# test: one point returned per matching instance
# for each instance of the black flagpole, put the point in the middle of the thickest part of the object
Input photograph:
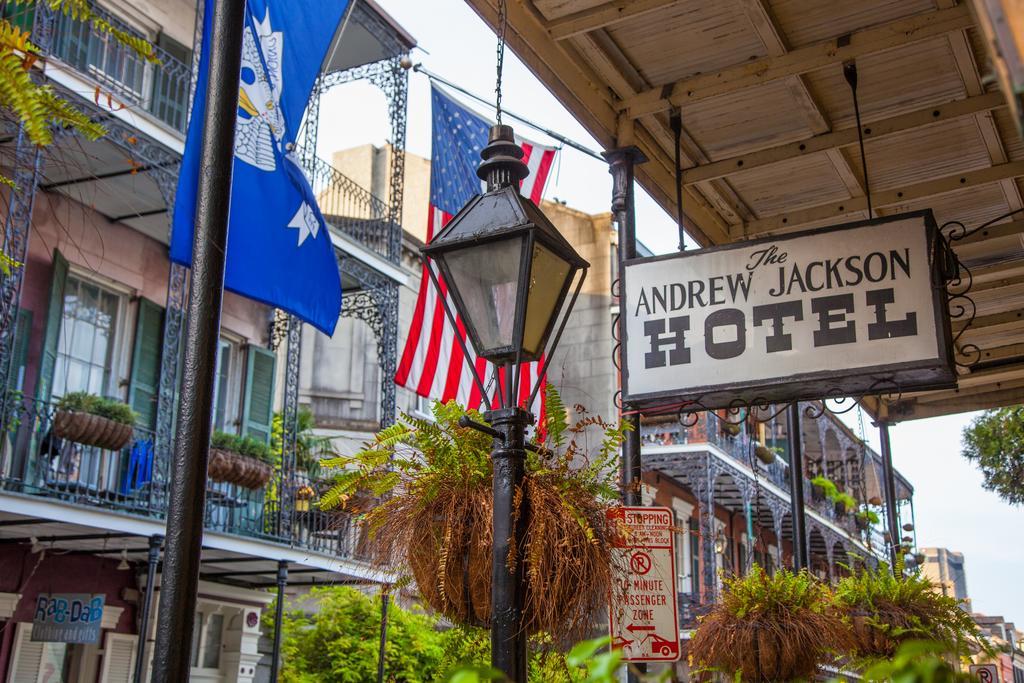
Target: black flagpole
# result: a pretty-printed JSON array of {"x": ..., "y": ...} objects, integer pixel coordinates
[{"x": 187, "y": 498}]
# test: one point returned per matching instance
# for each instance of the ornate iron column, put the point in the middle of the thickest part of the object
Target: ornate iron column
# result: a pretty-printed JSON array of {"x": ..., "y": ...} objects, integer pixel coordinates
[
  {"x": 290, "y": 424},
  {"x": 796, "y": 488},
  {"x": 892, "y": 522},
  {"x": 17, "y": 226},
  {"x": 621, "y": 163}
]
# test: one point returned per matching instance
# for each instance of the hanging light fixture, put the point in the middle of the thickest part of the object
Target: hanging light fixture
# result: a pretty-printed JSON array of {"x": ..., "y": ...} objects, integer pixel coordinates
[
  {"x": 507, "y": 267},
  {"x": 123, "y": 565}
]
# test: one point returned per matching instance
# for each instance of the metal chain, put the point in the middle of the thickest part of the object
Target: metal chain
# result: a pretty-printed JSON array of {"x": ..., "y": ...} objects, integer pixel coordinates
[{"x": 503, "y": 25}]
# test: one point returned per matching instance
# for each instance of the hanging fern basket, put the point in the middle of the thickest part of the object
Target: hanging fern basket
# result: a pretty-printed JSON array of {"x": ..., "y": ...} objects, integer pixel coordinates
[{"x": 436, "y": 524}]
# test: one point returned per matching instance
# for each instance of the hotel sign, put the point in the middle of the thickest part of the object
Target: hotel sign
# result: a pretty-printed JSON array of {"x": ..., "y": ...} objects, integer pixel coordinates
[{"x": 854, "y": 309}]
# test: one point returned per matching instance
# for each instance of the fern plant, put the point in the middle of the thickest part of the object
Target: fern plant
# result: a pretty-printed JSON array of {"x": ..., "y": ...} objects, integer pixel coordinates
[
  {"x": 436, "y": 524},
  {"x": 885, "y": 609}
]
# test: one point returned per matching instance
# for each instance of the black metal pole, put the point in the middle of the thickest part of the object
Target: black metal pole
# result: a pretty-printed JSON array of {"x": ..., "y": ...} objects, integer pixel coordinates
[
  {"x": 385, "y": 598},
  {"x": 187, "y": 498},
  {"x": 508, "y": 639},
  {"x": 796, "y": 494},
  {"x": 892, "y": 522},
  {"x": 282, "y": 582},
  {"x": 155, "y": 541},
  {"x": 621, "y": 164}
]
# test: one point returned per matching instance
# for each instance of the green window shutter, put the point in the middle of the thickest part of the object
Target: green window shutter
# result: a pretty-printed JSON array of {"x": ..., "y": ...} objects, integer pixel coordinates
[
  {"x": 145, "y": 378},
  {"x": 16, "y": 380},
  {"x": 54, "y": 317},
  {"x": 258, "y": 410}
]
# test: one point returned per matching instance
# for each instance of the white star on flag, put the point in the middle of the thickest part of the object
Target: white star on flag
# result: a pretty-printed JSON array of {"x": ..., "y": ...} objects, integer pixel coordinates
[{"x": 305, "y": 222}]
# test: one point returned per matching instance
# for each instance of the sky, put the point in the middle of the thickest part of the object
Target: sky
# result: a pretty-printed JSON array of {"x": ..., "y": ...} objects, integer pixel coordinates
[{"x": 952, "y": 509}]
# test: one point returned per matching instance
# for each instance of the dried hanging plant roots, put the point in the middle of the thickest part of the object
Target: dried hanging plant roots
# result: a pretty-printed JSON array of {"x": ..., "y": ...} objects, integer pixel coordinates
[{"x": 446, "y": 544}]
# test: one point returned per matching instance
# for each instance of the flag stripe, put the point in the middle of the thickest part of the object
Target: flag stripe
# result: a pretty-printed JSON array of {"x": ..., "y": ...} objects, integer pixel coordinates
[{"x": 433, "y": 363}]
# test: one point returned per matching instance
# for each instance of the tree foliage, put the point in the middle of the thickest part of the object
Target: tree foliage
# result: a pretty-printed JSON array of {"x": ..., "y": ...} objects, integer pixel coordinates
[
  {"x": 338, "y": 640},
  {"x": 995, "y": 441},
  {"x": 339, "y": 643}
]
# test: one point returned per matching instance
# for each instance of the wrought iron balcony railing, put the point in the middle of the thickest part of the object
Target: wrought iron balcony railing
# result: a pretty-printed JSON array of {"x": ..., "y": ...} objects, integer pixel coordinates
[
  {"x": 124, "y": 80},
  {"x": 34, "y": 461},
  {"x": 740, "y": 447},
  {"x": 353, "y": 210}
]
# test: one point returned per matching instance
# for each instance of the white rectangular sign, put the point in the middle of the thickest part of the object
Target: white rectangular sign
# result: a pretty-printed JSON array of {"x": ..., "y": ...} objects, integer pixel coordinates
[
  {"x": 643, "y": 613},
  {"x": 852, "y": 309},
  {"x": 986, "y": 673}
]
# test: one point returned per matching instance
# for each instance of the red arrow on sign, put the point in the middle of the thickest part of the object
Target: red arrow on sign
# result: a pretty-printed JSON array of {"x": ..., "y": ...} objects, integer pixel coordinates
[{"x": 634, "y": 628}]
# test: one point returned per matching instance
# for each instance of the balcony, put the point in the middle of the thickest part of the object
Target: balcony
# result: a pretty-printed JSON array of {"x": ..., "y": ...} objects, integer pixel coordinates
[
  {"x": 134, "y": 481},
  {"x": 739, "y": 448}
]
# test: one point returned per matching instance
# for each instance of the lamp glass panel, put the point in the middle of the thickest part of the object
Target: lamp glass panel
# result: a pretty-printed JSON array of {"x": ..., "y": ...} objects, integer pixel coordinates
[
  {"x": 486, "y": 277},
  {"x": 548, "y": 274}
]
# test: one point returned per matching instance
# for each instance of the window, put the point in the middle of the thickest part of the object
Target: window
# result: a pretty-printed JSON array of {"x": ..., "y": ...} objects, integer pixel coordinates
[
  {"x": 169, "y": 102},
  {"x": 225, "y": 389},
  {"x": 87, "y": 341},
  {"x": 422, "y": 407},
  {"x": 207, "y": 635}
]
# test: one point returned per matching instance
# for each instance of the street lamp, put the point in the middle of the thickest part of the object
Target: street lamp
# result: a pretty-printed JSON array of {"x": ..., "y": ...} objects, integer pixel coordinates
[{"x": 508, "y": 272}]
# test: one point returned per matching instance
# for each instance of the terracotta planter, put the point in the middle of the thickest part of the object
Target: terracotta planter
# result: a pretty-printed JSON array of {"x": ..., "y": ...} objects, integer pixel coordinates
[
  {"x": 764, "y": 454},
  {"x": 235, "y": 468},
  {"x": 91, "y": 430},
  {"x": 874, "y": 500}
]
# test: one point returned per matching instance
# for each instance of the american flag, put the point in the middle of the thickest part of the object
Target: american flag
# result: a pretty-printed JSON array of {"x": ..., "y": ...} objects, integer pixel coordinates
[{"x": 433, "y": 363}]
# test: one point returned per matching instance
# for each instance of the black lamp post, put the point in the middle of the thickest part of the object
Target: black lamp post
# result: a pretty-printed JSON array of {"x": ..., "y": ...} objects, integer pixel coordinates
[{"x": 508, "y": 271}]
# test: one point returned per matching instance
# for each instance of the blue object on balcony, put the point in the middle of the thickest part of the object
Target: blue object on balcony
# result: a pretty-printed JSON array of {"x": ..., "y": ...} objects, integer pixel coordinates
[
  {"x": 279, "y": 250},
  {"x": 140, "y": 467}
]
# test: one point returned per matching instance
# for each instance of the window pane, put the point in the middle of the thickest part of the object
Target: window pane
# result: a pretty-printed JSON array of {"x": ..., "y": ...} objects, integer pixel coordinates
[
  {"x": 211, "y": 644},
  {"x": 197, "y": 628},
  {"x": 85, "y": 348}
]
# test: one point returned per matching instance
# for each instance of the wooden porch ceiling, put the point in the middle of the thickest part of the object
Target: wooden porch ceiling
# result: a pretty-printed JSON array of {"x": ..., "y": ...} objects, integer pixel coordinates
[{"x": 769, "y": 139}]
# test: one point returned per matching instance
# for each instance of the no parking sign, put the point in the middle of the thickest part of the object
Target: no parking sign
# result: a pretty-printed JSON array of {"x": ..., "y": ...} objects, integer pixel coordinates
[{"x": 643, "y": 612}]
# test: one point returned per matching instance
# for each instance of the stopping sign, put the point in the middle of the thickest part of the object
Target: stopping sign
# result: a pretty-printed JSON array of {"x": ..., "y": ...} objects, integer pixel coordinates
[{"x": 643, "y": 611}]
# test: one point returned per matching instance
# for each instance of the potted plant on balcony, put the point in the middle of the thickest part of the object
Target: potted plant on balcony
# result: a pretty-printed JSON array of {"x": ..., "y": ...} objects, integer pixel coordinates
[
  {"x": 731, "y": 428},
  {"x": 844, "y": 503},
  {"x": 866, "y": 518},
  {"x": 823, "y": 488},
  {"x": 241, "y": 460},
  {"x": 768, "y": 628},
  {"x": 436, "y": 525},
  {"x": 883, "y": 609},
  {"x": 766, "y": 454},
  {"x": 93, "y": 420}
]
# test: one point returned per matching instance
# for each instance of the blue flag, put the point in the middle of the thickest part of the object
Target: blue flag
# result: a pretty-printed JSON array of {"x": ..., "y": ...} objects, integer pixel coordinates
[{"x": 279, "y": 250}]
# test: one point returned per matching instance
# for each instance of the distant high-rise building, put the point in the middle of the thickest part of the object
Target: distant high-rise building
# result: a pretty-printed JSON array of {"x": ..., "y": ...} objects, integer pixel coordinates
[{"x": 946, "y": 568}]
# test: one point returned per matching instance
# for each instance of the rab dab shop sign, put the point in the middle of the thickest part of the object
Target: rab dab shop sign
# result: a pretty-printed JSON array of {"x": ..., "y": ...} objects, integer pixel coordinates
[{"x": 848, "y": 310}]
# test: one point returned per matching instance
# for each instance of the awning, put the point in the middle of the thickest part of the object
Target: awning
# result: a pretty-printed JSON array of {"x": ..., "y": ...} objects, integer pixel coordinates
[{"x": 769, "y": 142}]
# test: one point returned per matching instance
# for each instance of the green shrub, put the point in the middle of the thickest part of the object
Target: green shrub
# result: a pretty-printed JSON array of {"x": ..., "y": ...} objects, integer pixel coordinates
[
  {"x": 108, "y": 408},
  {"x": 243, "y": 445},
  {"x": 869, "y": 516}
]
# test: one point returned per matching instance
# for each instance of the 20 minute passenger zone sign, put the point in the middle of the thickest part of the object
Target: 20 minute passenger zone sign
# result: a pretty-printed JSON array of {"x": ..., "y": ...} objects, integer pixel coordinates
[{"x": 643, "y": 611}]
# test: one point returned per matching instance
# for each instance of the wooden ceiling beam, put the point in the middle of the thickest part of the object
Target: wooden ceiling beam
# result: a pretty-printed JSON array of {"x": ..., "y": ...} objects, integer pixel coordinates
[
  {"x": 602, "y": 16},
  {"x": 844, "y": 208},
  {"x": 951, "y": 404},
  {"x": 707, "y": 208},
  {"x": 818, "y": 121},
  {"x": 1011, "y": 229},
  {"x": 801, "y": 60},
  {"x": 843, "y": 138},
  {"x": 982, "y": 322},
  {"x": 963, "y": 57}
]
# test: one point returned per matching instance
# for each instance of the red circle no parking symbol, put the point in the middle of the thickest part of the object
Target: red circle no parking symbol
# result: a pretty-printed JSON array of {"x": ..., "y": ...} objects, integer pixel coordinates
[{"x": 640, "y": 563}]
